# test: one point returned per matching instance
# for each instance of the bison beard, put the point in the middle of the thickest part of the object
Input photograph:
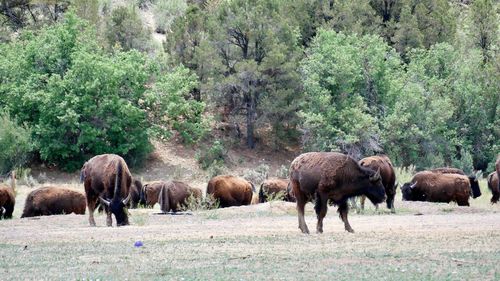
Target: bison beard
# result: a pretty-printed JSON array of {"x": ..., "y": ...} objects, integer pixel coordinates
[{"x": 334, "y": 176}]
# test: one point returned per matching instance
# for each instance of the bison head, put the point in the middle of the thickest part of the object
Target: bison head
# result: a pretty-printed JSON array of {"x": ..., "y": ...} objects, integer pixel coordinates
[
  {"x": 118, "y": 206},
  {"x": 374, "y": 190},
  {"x": 408, "y": 191},
  {"x": 474, "y": 185}
]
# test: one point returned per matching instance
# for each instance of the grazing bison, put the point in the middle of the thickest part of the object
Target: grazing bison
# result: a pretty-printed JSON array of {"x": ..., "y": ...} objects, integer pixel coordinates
[
  {"x": 274, "y": 188},
  {"x": 384, "y": 164},
  {"x": 8, "y": 197},
  {"x": 494, "y": 186},
  {"x": 230, "y": 190},
  {"x": 136, "y": 198},
  {"x": 436, "y": 187},
  {"x": 106, "y": 177},
  {"x": 175, "y": 195},
  {"x": 150, "y": 192},
  {"x": 50, "y": 200},
  {"x": 334, "y": 176},
  {"x": 474, "y": 183}
]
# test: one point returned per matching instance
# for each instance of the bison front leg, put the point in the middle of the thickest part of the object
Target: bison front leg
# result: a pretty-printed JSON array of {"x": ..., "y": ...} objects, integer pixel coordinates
[
  {"x": 91, "y": 207},
  {"x": 109, "y": 220},
  {"x": 343, "y": 209},
  {"x": 301, "y": 202},
  {"x": 321, "y": 208}
]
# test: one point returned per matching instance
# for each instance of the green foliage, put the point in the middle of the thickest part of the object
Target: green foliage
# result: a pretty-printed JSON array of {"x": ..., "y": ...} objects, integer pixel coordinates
[
  {"x": 213, "y": 156},
  {"x": 257, "y": 175},
  {"x": 79, "y": 100},
  {"x": 484, "y": 17},
  {"x": 341, "y": 79},
  {"x": 166, "y": 11},
  {"x": 171, "y": 107},
  {"x": 15, "y": 144},
  {"x": 125, "y": 29}
]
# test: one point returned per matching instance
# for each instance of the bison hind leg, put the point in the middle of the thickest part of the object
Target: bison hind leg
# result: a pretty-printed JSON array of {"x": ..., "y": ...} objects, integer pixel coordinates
[{"x": 321, "y": 207}]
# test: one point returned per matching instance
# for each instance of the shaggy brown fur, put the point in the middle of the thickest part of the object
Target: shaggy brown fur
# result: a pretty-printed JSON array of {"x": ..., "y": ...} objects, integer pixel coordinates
[
  {"x": 135, "y": 194},
  {"x": 275, "y": 188},
  {"x": 474, "y": 184},
  {"x": 494, "y": 186},
  {"x": 151, "y": 191},
  {"x": 331, "y": 176},
  {"x": 51, "y": 200},
  {"x": 436, "y": 187},
  {"x": 383, "y": 164},
  {"x": 174, "y": 196},
  {"x": 8, "y": 197},
  {"x": 230, "y": 190},
  {"x": 498, "y": 170},
  {"x": 106, "y": 177}
]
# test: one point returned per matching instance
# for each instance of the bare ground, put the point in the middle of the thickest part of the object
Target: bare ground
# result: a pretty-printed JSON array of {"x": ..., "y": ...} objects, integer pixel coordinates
[{"x": 423, "y": 241}]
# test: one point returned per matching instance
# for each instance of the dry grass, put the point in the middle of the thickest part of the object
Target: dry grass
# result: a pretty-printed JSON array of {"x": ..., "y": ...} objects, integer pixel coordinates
[{"x": 258, "y": 242}]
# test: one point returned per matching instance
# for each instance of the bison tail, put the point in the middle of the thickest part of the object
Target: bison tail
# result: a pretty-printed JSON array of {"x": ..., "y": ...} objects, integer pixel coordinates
[
  {"x": 163, "y": 199},
  {"x": 261, "y": 194}
]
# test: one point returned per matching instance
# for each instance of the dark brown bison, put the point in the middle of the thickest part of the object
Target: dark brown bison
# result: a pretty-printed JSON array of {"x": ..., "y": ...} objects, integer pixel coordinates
[
  {"x": 494, "y": 186},
  {"x": 230, "y": 191},
  {"x": 384, "y": 165},
  {"x": 436, "y": 187},
  {"x": 334, "y": 176},
  {"x": 50, "y": 200},
  {"x": 175, "y": 195},
  {"x": 107, "y": 178},
  {"x": 136, "y": 198},
  {"x": 474, "y": 183},
  {"x": 150, "y": 192},
  {"x": 8, "y": 197},
  {"x": 275, "y": 188}
]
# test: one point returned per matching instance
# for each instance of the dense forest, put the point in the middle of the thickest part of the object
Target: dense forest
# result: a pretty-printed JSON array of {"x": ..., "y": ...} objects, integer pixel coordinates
[{"x": 418, "y": 80}]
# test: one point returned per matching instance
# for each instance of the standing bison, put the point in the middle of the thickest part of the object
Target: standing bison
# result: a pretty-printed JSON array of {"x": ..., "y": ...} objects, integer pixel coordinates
[
  {"x": 175, "y": 195},
  {"x": 50, "y": 200},
  {"x": 106, "y": 177},
  {"x": 494, "y": 186},
  {"x": 436, "y": 187},
  {"x": 383, "y": 164},
  {"x": 274, "y": 188},
  {"x": 474, "y": 183},
  {"x": 334, "y": 176},
  {"x": 230, "y": 191},
  {"x": 8, "y": 197}
]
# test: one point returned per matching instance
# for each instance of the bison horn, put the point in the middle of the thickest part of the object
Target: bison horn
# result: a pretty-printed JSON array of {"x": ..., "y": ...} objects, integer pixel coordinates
[
  {"x": 376, "y": 176},
  {"x": 413, "y": 185},
  {"x": 125, "y": 201},
  {"x": 104, "y": 201},
  {"x": 2, "y": 210}
]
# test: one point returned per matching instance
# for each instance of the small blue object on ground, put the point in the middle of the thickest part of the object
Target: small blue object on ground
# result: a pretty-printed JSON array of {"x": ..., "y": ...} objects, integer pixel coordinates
[{"x": 138, "y": 244}]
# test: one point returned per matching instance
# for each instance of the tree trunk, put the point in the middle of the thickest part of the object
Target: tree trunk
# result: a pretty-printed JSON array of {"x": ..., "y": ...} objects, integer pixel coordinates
[{"x": 250, "y": 121}]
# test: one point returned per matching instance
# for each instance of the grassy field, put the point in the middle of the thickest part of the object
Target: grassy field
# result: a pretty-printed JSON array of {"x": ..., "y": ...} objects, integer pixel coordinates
[{"x": 423, "y": 241}]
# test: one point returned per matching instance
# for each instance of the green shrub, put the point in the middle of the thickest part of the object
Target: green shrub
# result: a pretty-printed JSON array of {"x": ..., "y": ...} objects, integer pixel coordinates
[
  {"x": 166, "y": 11},
  {"x": 15, "y": 144},
  {"x": 257, "y": 175},
  {"x": 125, "y": 28}
]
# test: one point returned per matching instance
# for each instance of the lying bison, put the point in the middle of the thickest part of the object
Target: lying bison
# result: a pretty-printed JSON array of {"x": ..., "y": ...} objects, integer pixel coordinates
[
  {"x": 384, "y": 165},
  {"x": 50, "y": 200},
  {"x": 230, "y": 191},
  {"x": 175, "y": 196},
  {"x": 494, "y": 186},
  {"x": 436, "y": 187},
  {"x": 107, "y": 178},
  {"x": 334, "y": 176},
  {"x": 474, "y": 183},
  {"x": 275, "y": 188},
  {"x": 150, "y": 193},
  {"x": 8, "y": 197}
]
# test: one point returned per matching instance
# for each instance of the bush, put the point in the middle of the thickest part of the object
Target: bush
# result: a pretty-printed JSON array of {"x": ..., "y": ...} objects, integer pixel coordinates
[
  {"x": 166, "y": 11},
  {"x": 126, "y": 29},
  {"x": 257, "y": 175},
  {"x": 15, "y": 144},
  {"x": 215, "y": 156}
]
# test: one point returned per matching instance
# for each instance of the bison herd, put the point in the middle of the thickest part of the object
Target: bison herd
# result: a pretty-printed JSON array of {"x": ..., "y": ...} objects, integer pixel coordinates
[{"x": 322, "y": 177}]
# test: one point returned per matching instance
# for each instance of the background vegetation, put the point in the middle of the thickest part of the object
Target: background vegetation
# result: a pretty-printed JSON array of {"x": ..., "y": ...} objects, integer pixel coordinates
[{"x": 418, "y": 80}]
